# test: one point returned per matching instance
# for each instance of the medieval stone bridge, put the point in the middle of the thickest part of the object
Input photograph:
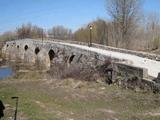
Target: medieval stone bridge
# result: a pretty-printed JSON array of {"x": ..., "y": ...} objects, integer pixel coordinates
[{"x": 45, "y": 52}]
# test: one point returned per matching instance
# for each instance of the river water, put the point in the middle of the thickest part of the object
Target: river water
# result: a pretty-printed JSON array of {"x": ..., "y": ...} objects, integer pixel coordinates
[
  {"x": 11, "y": 68},
  {"x": 5, "y": 72}
]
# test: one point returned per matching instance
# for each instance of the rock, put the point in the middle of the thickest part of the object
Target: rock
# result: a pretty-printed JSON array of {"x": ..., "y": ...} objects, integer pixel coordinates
[
  {"x": 99, "y": 81},
  {"x": 137, "y": 89},
  {"x": 70, "y": 119},
  {"x": 78, "y": 85},
  {"x": 102, "y": 88}
]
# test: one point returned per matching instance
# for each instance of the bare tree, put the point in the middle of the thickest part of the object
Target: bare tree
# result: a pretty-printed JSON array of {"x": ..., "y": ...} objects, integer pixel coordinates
[
  {"x": 101, "y": 31},
  {"x": 124, "y": 14},
  {"x": 30, "y": 31},
  {"x": 153, "y": 30},
  {"x": 60, "y": 32},
  {"x": 6, "y": 36}
]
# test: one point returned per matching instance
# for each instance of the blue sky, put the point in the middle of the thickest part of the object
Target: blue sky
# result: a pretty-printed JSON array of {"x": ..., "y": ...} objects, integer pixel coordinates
[{"x": 47, "y": 13}]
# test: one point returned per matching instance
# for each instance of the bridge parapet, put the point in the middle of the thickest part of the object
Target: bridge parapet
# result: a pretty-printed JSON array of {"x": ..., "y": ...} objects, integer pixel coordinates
[{"x": 137, "y": 53}]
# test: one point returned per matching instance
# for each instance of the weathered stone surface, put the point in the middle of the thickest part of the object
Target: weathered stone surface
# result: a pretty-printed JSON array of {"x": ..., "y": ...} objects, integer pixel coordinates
[
  {"x": 25, "y": 50},
  {"x": 28, "y": 56},
  {"x": 138, "y": 53},
  {"x": 129, "y": 71},
  {"x": 43, "y": 59},
  {"x": 157, "y": 80}
]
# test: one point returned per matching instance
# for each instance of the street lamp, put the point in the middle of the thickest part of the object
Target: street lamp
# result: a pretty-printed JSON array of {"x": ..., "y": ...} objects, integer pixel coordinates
[
  {"x": 90, "y": 40},
  {"x": 42, "y": 33},
  {"x": 15, "y": 114}
]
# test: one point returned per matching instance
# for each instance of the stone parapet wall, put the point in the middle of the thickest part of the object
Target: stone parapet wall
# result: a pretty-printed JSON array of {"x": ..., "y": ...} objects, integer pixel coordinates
[
  {"x": 130, "y": 77},
  {"x": 137, "y": 53},
  {"x": 128, "y": 71}
]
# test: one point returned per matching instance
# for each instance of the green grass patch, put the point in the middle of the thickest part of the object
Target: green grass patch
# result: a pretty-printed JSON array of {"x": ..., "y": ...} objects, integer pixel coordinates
[{"x": 41, "y": 101}]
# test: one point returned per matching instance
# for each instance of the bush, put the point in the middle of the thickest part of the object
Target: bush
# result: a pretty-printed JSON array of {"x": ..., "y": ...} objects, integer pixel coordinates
[
  {"x": 156, "y": 43},
  {"x": 63, "y": 71},
  {"x": 77, "y": 71}
]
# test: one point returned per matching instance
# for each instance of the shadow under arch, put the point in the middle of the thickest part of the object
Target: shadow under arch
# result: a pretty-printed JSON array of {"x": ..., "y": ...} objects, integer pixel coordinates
[
  {"x": 26, "y": 47},
  {"x": 51, "y": 54},
  {"x": 37, "y": 50},
  {"x": 71, "y": 59}
]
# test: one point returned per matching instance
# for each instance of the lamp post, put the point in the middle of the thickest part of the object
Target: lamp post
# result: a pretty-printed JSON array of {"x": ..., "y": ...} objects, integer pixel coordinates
[
  {"x": 42, "y": 35},
  {"x": 90, "y": 40},
  {"x": 15, "y": 114}
]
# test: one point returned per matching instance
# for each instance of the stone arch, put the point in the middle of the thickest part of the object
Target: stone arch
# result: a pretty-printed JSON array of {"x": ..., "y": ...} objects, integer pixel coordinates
[
  {"x": 51, "y": 54},
  {"x": 71, "y": 59},
  {"x": 18, "y": 46},
  {"x": 37, "y": 50},
  {"x": 26, "y": 47}
]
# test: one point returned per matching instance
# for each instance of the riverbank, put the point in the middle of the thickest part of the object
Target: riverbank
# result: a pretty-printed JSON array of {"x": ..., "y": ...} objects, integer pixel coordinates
[{"x": 42, "y": 98}]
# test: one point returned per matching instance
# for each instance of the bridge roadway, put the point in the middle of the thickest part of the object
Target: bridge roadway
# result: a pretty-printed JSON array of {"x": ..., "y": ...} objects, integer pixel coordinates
[{"x": 152, "y": 66}]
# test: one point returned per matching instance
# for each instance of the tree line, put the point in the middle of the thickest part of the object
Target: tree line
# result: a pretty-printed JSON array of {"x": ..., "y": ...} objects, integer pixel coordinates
[
  {"x": 32, "y": 31},
  {"x": 128, "y": 27}
]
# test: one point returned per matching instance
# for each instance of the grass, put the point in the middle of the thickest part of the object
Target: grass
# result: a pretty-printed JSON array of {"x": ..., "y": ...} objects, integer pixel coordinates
[{"x": 42, "y": 99}]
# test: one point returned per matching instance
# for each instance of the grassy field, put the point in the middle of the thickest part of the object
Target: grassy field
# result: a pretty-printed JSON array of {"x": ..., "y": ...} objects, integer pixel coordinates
[{"x": 42, "y": 99}]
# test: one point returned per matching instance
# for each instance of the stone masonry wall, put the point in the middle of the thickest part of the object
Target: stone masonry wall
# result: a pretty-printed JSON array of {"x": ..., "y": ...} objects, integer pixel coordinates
[{"x": 137, "y": 53}]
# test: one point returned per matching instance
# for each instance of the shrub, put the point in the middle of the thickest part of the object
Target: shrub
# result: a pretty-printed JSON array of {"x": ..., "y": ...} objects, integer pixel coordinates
[
  {"x": 63, "y": 71},
  {"x": 78, "y": 71},
  {"x": 156, "y": 43}
]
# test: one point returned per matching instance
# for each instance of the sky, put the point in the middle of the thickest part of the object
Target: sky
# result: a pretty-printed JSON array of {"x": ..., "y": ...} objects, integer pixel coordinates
[{"x": 72, "y": 14}]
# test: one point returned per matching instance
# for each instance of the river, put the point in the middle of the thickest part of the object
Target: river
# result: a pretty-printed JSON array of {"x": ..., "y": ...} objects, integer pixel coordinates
[{"x": 5, "y": 72}]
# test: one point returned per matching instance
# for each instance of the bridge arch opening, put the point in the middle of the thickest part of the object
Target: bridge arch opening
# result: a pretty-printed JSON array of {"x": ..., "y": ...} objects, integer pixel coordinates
[
  {"x": 18, "y": 46},
  {"x": 7, "y": 45},
  {"x": 71, "y": 59},
  {"x": 37, "y": 50},
  {"x": 26, "y": 47},
  {"x": 51, "y": 54}
]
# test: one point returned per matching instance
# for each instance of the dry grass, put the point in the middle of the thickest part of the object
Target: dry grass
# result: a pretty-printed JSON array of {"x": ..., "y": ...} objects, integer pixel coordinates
[
  {"x": 70, "y": 99},
  {"x": 75, "y": 71}
]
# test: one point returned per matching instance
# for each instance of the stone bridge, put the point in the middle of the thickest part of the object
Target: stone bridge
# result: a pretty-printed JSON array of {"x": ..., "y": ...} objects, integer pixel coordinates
[{"x": 142, "y": 64}]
